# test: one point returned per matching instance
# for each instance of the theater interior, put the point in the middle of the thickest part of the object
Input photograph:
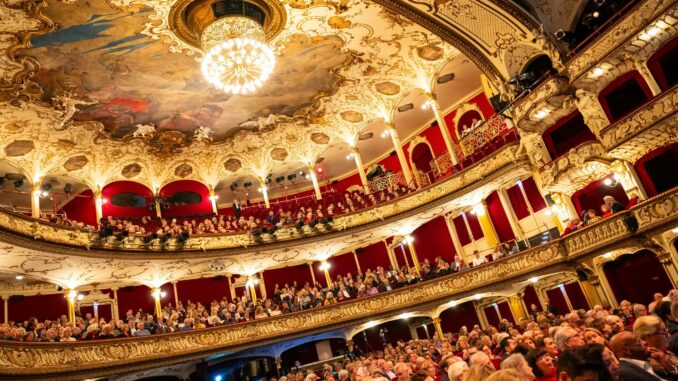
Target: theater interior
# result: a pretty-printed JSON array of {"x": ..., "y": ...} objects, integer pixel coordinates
[{"x": 337, "y": 178}]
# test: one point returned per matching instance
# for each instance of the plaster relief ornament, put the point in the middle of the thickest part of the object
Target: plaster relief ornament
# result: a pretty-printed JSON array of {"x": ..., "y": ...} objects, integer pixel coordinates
[
  {"x": 66, "y": 106},
  {"x": 202, "y": 134},
  {"x": 144, "y": 131},
  {"x": 532, "y": 144}
]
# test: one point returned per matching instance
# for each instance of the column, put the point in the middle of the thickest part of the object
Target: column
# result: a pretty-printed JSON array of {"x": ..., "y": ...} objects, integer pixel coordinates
[
  {"x": 669, "y": 266},
  {"x": 35, "y": 200},
  {"x": 628, "y": 178},
  {"x": 5, "y": 303},
  {"x": 564, "y": 207},
  {"x": 486, "y": 224},
  {"x": 517, "y": 306},
  {"x": 157, "y": 294},
  {"x": 98, "y": 203},
  {"x": 70, "y": 296},
  {"x": 231, "y": 287},
  {"x": 599, "y": 282},
  {"x": 399, "y": 151},
  {"x": 158, "y": 207},
  {"x": 468, "y": 229},
  {"x": 310, "y": 267},
  {"x": 513, "y": 220},
  {"x": 264, "y": 191},
  {"x": 314, "y": 180},
  {"x": 455, "y": 238},
  {"x": 251, "y": 282},
  {"x": 213, "y": 199},
  {"x": 590, "y": 108},
  {"x": 357, "y": 263},
  {"x": 361, "y": 171},
  {"x": 176, "y": 293},
  {"x": 95, "y": 307},
  {"x": 443, "y": 128},
  {"x": 644, "y": 71},
  {"x": 413, "y": 332},
  {"x": 438, "y": 327},
  {"x": 262, "y": 286},
  {"x": 410, "y": 240},
  {"x": 550, "y": 211},
  {"x": 325, "y": 267},
  {"x": 481, "y": 315},
  {"x": 114, "y": 307},
  {"x": 349, "y": 344},
  {"x": 590, "y": 293}
]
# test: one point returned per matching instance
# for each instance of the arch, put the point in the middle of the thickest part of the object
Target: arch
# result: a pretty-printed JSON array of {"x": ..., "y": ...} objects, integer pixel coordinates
[
  {"x": 662, "y": 64},
  {"x": 624, "y": 95},
  {"x": 421, "y": 156},
  {"x": 628, "y": 266},
  {"x": 464, "y": 117},
  {"x": 656, "y": 169},
  {"x": 127, "y": 186},
  {"x": 170, "y": 209},
  {"x": 69, "y": 197}
]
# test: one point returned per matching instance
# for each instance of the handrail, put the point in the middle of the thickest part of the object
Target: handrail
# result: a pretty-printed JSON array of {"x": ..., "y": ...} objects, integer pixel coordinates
[{"x": 19, "y": 358}]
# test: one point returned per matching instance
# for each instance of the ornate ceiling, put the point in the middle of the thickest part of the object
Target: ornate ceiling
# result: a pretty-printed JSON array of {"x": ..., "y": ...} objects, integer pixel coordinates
[{"x": 104, "y": 90}]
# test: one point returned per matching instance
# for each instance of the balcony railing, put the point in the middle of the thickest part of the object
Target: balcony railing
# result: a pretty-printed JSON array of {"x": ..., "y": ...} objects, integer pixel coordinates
[
  {"x": 122, "y": 355},
  {"x": 489, "y": 131},
  {"x": 387, "y": 181}
]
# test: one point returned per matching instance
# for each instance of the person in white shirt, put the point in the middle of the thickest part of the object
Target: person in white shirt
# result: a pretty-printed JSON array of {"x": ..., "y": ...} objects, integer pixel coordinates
[{"x": 478, "y": 259}]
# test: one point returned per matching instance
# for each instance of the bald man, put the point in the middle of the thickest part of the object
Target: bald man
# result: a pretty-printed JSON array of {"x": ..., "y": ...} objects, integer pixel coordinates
[{"x": 634, "y": 359}]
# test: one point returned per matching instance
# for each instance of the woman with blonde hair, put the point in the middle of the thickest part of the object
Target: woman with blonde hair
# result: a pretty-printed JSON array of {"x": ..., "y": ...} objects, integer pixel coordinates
[
  {"x": 518, "y": 363},
  {"x": 506, "y": 375},
  {"x": 479, "y": 372}
]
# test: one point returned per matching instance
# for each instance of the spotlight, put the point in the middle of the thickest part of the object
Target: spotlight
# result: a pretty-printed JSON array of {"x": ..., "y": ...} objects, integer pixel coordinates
[
  {"x": 80, "y": 297},
  {"x": 68, "y": 188},
  {"x": 18, "y": 184},
  {"x": 2, "y": 183}
]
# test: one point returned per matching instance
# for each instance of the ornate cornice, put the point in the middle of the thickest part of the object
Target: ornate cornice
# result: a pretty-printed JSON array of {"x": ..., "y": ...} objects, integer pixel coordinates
[{"x": 114, "y": 356}]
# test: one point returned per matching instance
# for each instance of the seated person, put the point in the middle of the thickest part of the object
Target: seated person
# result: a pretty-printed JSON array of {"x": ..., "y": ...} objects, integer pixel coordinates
[
  {"x": 590, "y": 217},
  {"x": 613, "y": 204}
]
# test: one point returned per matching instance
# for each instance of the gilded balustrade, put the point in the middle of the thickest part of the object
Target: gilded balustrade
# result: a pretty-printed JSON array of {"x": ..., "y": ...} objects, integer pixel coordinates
[
  {"x": 441, "y": 165},
  {"x": 387, "y": 181},
  {"x": 63, "y": 360},
  {"x": 478, "y": 137}
]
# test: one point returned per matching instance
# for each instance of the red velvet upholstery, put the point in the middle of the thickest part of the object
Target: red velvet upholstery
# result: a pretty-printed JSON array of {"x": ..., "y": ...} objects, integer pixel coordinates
[
  {"x": 421, "y": 157},
  {"x": 462, "y": 231},
  {"x": 663, "y": 64},
  {"x": 624, "y": 95},
  {"x": 568, "y": 133},
  {"x": 533, "y": 195},
  {"x": 517, "y": 201},
  {"x": 656, "y": 169},
  {"x": 432, "y": 239},
  {"x": 499, "y": 218},
  {"x": 626, "y": 267},
  {"x": 114, "y": 188},
  {"x": 591, "y": 196},
  {"x": 474, "y": 224}
]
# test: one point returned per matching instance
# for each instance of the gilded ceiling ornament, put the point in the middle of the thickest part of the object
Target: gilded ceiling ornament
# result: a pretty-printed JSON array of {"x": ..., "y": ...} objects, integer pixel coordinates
[
  {"x": 387, "y": 88},
  {"x": 183, "y": 170},
  {"x": 430, "y": 52},
  {"x": 19, "y": 148},
  {"x": 352, "y": 116},
  {"x": 320, "y": 138},
  {"x": 75, "y": 163},
  {"x": 131, "y": 170},
  {"x": 279, "y": 154},
  {"x": 338, "y": 22},
  {"x": 232, "y": 165}
]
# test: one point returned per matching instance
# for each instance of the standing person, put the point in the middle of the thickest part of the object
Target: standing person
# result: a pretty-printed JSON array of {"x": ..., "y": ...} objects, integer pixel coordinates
[{"x": 237, "y": 208}]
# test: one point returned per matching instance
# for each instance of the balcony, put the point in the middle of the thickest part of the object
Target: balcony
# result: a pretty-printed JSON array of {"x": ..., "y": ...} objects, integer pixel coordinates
[
  {"x": 582, "y": 165},
  {"x": 545, "y": 105},
  {"x": 650, "y": 127},
  {"x": 96, "y": 358},
  {"x": 470, "y": 176}
]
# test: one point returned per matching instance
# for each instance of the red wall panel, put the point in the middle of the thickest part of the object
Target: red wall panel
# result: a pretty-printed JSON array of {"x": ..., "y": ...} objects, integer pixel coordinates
[
  {"x": 517, "y": 201},
  {"x": 557, "y": 300},
  {"x": 626, "y": 267},
  {"x": 135, "y": 298},
  {"x": 499, "y": 218},
  {"x": 41, "y": 307},
  {"x": 203, "y": 290},
  {"x": 203, "y": 207},
  {"x": 576, "y": 295},
  {"x": 462, "y": 231},
  {"x": 505, "y": 311},
  {"x": 81, "y": 208},
  {"x": 342, "y": 265},
  {"x": 289, "y": 274},
  {"x": 432, "y": 239},
  {"x": 114, "y": 188},
  {"x": 533, "y": 195},
  {"x": 453, "y": 318},
  {"x": 374, "y": 255},
  {"x": 530, "y": 298},
  {"x": 491, "y": 315},
  {"x": 474, "y": 224},
  {"x": 591, "y": 196}
]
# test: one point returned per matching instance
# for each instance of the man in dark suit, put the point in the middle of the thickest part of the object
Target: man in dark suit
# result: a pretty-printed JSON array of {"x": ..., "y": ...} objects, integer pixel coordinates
[
  {"x": 237, "y": 208},
  {"x": 634, "y": 359}
]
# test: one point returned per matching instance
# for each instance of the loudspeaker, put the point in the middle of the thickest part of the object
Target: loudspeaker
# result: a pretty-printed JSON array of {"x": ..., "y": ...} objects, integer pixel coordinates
[
  {"x": 497, "y": 104},
  {"x": 16, "y": 298},
  {"x": 393, "y": 153},
  {"x": 582, "y": 275},
  {"x": 128, "y": 288},
  {"x": 335, "y": 182},
  {"x": 359, "y": 250}
]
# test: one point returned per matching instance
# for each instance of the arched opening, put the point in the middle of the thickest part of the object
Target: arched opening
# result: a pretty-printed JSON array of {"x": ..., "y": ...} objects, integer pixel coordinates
[
  {"x": 242, "y": 368},
  {"x": 539, "y": 68},
  {"x": 591, "y": 196},
  {"x": 468, "y": 121},
  {"x": 421, "y": 158},
  {"x": 185, "y": 198},
  {"x": 312, "y": 352},
  {"x": 624, "y": 95},
  {"x": 461, "y": 315},
  {"x": 15, "y": 189},
  {"x": 628, "y": 266},
  {"x": 656, "y": 169},
  {"x": 565, "y": 295},
  {"x": 663, "y": 65},
  {"x": 127, "y": 199},
  {"x": 568, "y": 133},
  {"x": 68, "y": 201}
]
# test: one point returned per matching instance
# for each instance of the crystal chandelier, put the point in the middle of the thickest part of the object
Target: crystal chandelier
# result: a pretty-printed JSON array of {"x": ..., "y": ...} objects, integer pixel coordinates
[{"x": 237, "y": 60}]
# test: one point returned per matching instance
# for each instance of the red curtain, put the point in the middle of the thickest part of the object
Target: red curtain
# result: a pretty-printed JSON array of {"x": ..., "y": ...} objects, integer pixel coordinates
[
  {"x": 491, "y": 315},
  {"x": 203, "y": 207},
  {"x": 114, "y": 188},
  {"x": 624, "y": 95},
  {"x": 462, "y": 231},
  {"x": 287, "y": 275},
  {"x": 401, "y": 256},
  {"x": 505, "y": 310},
  {"x": 498, "y": 217},
  {"x": 81, "y": 208},
  {"x": 576, "y": 295},
  {"x": 531, "y": 298},
  {"x": 466, "y": 120},
  {"x": 656, "y": 169},
  {"x": 533, "y": 195},
  {"x": 432, "y": 239},
  {"x": 662, "y": 64},
  {"x": 342, "y": 265},
  {"x": 374, "y": 255},
  {"x": 474, "y": 224},
  {"x": 517, "y": 201},
  {"x": 41, "y": 307},
  {"x": 453, "y": 318},
  {"x": 557, "y": 299},
  {"x": 421, "y": 157},
  {"x": 627, "y": 267},
  {"x": 591, "y": 196}
]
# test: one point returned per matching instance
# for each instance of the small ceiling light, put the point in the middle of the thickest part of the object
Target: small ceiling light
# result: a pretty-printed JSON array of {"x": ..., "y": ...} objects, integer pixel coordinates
[
  {"x": 675, "y": 230},
  {"x": 607, "y": 182},
  {"x": 477, "y": 296},
  {"x": 19, "y": 277},
  {"x": 597, "y": 72},
  {"x": 596, "y": 14},
  {"x": 543, "y": 113},
  {"x": 608, "y": 255},
  {"x": 534, "y": 279},
  {"x": 80, "y": 297}
]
